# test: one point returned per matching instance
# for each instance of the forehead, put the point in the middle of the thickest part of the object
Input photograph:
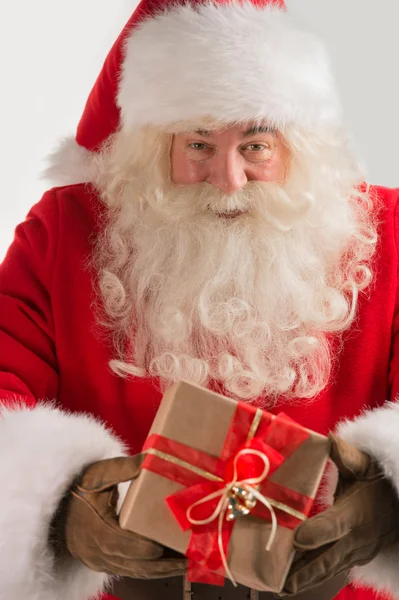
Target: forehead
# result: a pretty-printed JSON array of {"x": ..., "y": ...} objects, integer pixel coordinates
[{"x": 232, "y": 130}]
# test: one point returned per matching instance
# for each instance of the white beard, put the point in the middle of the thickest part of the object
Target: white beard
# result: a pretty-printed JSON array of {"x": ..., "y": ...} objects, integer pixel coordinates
[{"x": 246, "y": 303}]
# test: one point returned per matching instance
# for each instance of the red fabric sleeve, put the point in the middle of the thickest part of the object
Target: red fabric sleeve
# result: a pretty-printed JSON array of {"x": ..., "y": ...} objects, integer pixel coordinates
[
  {"x": 394, "y": 364},
  {"x": 28, "y": 365}
]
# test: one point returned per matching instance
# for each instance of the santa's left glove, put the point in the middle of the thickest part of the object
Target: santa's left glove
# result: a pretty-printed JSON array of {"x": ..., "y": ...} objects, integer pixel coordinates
[
  {"x": 363, "y": 520},
  {"x": 88, "y": 526}
]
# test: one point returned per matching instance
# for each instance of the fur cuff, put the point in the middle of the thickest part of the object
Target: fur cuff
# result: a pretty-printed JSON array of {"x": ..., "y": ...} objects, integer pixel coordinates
[
  {"x": 377, "y": 433},
  {"x": 42, "y": 450}
]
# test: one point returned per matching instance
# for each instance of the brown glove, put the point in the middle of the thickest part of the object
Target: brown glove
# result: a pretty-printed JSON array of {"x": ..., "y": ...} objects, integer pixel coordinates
[
  {"x": 92, "y": 533},
  {"x": 363, "y": 520}
]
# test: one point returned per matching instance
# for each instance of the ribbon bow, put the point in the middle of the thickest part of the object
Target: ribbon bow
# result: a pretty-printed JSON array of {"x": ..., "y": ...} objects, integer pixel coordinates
[{"x": 246, "y": 489}]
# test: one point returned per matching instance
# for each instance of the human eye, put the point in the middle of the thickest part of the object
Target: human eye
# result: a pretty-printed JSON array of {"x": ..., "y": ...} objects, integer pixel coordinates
[
  {"x": 257, "y": 147},
  {"x": 257, "y": 151},
  {"x": 197, "y": 150},
  {"x": 197, "y": 145}
]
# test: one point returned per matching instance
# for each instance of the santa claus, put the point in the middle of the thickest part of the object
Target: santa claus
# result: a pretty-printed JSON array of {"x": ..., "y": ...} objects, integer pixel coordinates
[{"x": 213, "y": 225}]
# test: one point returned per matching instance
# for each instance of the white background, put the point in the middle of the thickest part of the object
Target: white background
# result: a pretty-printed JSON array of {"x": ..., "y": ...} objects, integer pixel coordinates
[{"x": 51, "y": 53}]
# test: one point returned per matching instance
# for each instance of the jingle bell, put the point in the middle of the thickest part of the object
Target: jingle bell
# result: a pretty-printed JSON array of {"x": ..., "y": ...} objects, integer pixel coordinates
[{"x": 240, "y": 504}]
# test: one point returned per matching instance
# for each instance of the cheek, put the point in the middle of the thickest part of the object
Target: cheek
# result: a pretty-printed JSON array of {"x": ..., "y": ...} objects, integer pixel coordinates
[{"x": 183, "y": 170}]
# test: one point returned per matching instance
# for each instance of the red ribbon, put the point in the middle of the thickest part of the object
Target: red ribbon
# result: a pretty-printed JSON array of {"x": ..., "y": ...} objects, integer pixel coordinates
[{"x": 276, "y": 437}]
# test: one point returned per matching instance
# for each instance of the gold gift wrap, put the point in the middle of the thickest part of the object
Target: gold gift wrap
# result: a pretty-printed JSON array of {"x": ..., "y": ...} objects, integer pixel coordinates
[{"x": 201, "y": 419}]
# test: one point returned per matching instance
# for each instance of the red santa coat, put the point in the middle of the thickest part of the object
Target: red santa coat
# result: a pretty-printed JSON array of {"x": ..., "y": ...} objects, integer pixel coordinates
[{"x": 52, "y": 348}]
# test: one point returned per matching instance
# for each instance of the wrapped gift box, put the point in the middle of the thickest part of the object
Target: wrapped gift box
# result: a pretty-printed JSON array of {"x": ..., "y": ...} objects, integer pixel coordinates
[{"x": 221, "y": 482}]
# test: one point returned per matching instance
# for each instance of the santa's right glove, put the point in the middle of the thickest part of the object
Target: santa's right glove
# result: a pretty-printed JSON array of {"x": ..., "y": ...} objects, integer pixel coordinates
[
  {"x": 363, "y": 520},
  {"x": 89, "y": 526}
]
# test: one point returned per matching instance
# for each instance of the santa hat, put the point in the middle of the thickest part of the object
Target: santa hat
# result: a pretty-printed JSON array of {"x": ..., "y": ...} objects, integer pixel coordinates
[{"x": 186, "y": 60}]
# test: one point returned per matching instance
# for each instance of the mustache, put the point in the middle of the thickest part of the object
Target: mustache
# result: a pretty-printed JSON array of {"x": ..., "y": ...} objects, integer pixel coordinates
[{"x": 264, "y": 201}]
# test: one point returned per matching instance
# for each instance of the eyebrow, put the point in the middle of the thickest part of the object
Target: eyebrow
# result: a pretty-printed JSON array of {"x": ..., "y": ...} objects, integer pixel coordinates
[
  {"x": 251, "y": 131},
  {"x": 260, "y": 129},
  {"x": 203, "y": 132}
]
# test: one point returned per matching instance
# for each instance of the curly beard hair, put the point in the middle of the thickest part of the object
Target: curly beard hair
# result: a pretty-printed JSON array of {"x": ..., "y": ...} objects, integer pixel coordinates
[{"x": 248, "y": 305}]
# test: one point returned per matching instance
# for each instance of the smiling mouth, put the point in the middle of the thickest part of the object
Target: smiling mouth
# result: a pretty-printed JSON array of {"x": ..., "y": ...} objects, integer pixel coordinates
[{"x": 231, "y": 214}]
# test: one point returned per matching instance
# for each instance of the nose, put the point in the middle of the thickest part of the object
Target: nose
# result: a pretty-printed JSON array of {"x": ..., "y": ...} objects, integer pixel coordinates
[{"x": 227, "y": 172}]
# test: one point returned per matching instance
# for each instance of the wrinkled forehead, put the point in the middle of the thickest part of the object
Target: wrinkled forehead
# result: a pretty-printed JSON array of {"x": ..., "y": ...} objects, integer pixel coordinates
[
  {"x": 209, "y": 126},
  {"x": 240, "y": 131}
]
